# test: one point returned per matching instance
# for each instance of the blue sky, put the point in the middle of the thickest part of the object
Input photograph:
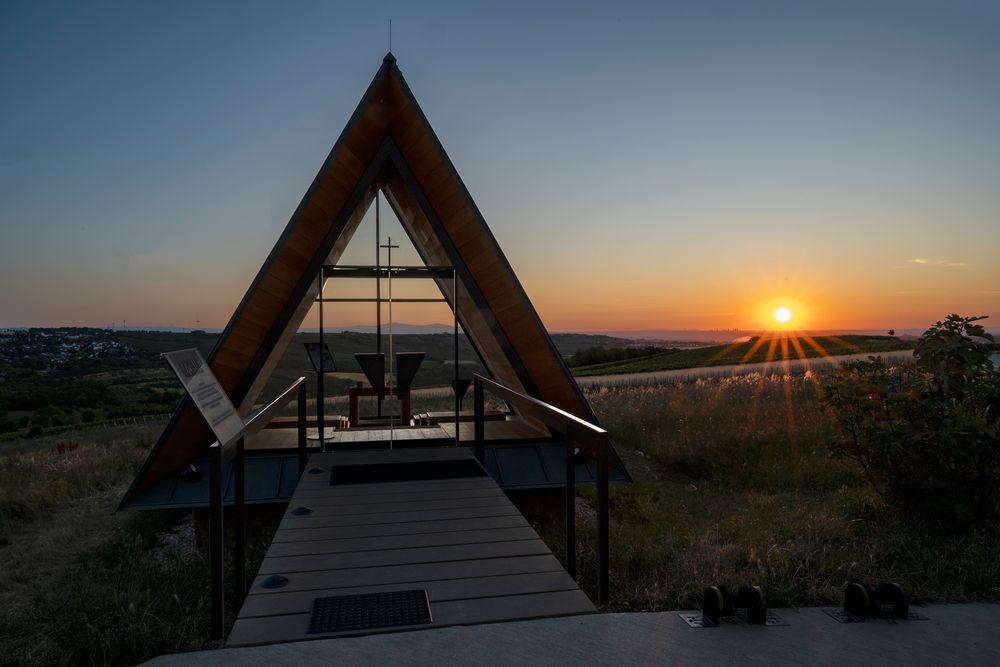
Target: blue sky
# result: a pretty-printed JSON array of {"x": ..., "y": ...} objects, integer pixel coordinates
[{"x": 711, "y": 158}]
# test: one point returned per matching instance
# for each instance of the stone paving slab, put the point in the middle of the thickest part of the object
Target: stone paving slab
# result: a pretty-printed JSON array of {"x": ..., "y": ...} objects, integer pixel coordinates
[{"x": 965, "y": 634}]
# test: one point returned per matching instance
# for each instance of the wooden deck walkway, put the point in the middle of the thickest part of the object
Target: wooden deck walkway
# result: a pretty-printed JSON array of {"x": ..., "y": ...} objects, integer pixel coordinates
[{"x": 458, "y": 539}]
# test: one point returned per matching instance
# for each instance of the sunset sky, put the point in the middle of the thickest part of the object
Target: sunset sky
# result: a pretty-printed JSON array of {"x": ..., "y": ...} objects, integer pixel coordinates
[{"x": 643, "y": 166}]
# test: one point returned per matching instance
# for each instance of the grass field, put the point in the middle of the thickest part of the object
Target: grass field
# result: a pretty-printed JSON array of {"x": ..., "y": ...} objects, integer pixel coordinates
[
  {"x": 753, "y": 351},
  {"x": 81, "y": 584},
  {"x": 732, "y": 485},
  {"x": 78, "y": 583}
]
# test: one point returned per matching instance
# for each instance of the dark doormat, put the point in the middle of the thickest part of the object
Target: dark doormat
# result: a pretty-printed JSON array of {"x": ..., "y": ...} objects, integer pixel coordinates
[
  {"x": 369, "y": 611},
  {"x": 405, "y": 472}
]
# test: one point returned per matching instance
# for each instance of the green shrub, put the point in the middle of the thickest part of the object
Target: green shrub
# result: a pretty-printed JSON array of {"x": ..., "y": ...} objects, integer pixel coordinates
[{"x": 927, "y": 435}]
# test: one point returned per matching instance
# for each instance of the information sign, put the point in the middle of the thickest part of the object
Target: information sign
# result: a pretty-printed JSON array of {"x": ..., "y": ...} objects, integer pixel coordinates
[{"x": 206, "y": 393}]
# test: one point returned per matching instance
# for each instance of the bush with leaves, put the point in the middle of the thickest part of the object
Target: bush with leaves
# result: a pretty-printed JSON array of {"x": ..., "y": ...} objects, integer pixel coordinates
[{"x": 927, "y": 435}]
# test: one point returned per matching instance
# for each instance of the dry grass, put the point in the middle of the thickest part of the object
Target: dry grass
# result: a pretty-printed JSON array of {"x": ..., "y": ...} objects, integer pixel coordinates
[
  {"x": 39, "y": 476},
  {"x": 80, "y": 584},
  {"x": 733, "y": 485}
]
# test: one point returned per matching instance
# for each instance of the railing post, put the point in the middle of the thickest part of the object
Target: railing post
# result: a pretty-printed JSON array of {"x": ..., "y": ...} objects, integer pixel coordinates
[
  {"x": 320, "y": 422},
  {"x": 603, "y": 543},
  {"x": 320, "y": 394},
  {"x": 570, "y": 505},
  {"x": 596, "y": 440},
  {"x": 479, "y": 420},
  {"x": 458, "y": 399},
  {"x": 240, "y": 523},
  {"x": 216, "y": 560},
  {"x": 302, "y": 428}
]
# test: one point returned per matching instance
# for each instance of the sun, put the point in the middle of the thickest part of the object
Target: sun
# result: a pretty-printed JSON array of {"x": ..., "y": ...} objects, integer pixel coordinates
[{"x": 783, "y": 312}]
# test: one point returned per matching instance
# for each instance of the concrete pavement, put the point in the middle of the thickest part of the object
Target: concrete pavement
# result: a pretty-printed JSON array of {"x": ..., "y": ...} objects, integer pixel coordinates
[{"x": 963, "y": 634}]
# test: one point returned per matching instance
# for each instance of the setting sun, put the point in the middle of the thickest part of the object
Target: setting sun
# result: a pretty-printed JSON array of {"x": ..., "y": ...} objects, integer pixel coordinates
[{"x": 782, "y": 310}]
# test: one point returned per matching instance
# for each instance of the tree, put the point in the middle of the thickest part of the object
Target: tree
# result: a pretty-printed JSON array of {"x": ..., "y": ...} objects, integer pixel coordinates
[
  {"x": 48, "y": 416},
  {"x": 927, "y": 435}
]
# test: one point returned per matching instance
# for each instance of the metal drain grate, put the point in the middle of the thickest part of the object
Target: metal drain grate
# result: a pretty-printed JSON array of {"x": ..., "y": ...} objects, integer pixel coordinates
[
  {"x": 697, "y": 620},
  {"x": 368, "y": 611},
  {"x": 842, "y": 616}
]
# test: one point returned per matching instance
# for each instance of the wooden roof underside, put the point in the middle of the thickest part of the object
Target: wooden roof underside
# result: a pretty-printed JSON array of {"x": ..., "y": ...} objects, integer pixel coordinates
[{"x": 389, "y": 145}]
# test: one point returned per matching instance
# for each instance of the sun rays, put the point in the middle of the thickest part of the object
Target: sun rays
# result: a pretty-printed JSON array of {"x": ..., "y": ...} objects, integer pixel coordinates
[{"x": 783, "y": 347}]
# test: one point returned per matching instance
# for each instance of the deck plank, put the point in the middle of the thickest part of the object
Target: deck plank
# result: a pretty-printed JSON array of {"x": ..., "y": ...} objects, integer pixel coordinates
[
  {"x": 318, "y": 509},
  {"x": 437, "y": 591},
  {"x": 347, "y": 545},
  {"x": 405, "y": 574},
  {"x": 381, "y": 530},
  {"x": 396, "y": 557},
  {"x": 290, "y": 627},
  {"x": 417, "y": 514}
]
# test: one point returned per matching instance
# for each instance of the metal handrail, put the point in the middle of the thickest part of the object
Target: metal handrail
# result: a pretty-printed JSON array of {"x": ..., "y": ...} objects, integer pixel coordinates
[
  {"x": 220, "y": 454},
  {"x": 260, "y": 418},
  {"x": 550, "y": 415},
  {"x": 577, "y": 432}
]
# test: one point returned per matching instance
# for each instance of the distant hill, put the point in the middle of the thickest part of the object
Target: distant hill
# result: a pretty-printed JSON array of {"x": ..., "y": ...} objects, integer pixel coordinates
[
  {"x": 755, "y": 350},
  {"x": 398, "y": 328},
  {"x": 679, "y": 337}
]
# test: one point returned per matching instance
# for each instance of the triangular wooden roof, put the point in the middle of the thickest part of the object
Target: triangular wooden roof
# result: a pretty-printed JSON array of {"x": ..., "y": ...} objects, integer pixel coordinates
[{"x": 389, "y": 145}]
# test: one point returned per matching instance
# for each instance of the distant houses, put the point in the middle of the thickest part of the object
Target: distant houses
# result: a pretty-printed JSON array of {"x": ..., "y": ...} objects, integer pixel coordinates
[{"x": 50, "y": 349}]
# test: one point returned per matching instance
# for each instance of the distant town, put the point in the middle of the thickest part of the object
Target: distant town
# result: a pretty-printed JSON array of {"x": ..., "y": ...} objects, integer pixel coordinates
[{"x": 52, "y": 349}]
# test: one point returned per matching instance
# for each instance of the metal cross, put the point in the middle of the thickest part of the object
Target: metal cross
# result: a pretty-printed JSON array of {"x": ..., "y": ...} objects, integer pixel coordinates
[{"x": 389, "y": 246}]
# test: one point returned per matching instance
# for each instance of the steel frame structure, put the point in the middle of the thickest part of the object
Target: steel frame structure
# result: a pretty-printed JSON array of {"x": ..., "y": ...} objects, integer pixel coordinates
[{"x": 378, "y": 273}]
